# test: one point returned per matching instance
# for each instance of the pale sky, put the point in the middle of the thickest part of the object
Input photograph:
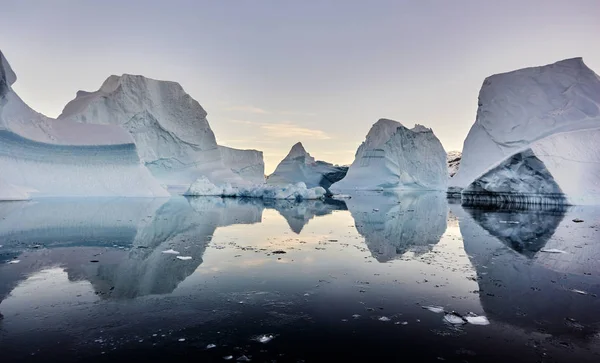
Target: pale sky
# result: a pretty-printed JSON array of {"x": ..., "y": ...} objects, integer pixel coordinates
[{"x": 274, "y": 72}]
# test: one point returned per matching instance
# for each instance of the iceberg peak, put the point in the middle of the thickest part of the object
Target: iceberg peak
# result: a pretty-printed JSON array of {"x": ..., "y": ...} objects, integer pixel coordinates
[{"x": 298, "y": 150}]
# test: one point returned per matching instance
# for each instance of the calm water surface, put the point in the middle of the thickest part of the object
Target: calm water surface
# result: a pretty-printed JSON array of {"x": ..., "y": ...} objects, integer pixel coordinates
[{"x": 372, "y": 278}]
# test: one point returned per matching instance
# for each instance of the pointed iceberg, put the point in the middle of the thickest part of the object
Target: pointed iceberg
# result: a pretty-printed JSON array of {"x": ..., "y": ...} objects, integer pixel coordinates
[
  {"x": 395, "y": 157},
  {"x": 170, "y": 130},
  {"x": 300, "y": 166},
  {"x": 40, "y": 156}
]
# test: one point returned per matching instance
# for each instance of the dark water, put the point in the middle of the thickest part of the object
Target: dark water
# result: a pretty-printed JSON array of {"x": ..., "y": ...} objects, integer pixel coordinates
[{"x": 315, "y": 281}]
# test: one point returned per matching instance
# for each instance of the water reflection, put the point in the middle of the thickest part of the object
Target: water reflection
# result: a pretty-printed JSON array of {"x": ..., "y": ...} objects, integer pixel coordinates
[
  {"x": 393, "y": 224},
  {"x": 536, "y": 269},
  {"x": 298, "y": 214}
]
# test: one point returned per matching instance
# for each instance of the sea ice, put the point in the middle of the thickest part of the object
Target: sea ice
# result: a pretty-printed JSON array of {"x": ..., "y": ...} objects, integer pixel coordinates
[
  {"x": 170, "y": 252},
  {"x": 299, "y": 191},
  {"x": 454, "y": 318},
  {"x": 184, "y": 258},
  {"x": 434, "y": 309}
]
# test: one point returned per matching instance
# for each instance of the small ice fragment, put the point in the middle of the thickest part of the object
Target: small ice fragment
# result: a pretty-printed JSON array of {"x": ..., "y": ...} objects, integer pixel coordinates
[
  {"x": 170, "y": 252},
  {"x": 182, "y": 339},
  {"x": 210, "y": 346},
  {"x": 384, "y": 318},
  {"x": 264, "y": 338},
  {"x": 341, "y": 196},
  {"x": 228, "y": 357},
  {"x": 355, "y": 316},
  {"x": 307, "y": 294},
  {"x": 184, "y": 258},
  {"x": 552, "y": 250},
  {"x": 509, "y": 222},
  {"x": 434, "y": 309},
  {"x": 454, "y": 318},
  {"x": 375, "y": 209},
  {"x": 404, "y": 323},
  {"x": 477, "y": 320},
  {"x": 581, "y": 292},
  {"x": 243, "y": 359},
  {"x": 577, "y": 220},
  {"x": 14, "y": 261}
]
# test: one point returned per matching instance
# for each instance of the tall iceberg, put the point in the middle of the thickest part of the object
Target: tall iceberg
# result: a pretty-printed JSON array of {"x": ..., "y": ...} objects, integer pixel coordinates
[
  {"x": 395, "y": 157},
  {"x": 170, "y": 130},
  {"x": 300, "y": 166},
  {"x": 40, "y": 156},
  {"x": 535, "y": 137}
]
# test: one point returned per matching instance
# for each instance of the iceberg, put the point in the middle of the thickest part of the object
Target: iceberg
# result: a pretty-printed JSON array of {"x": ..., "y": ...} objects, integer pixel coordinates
[
  {"x": 395, "y": 157},
  {"x": 170, "y": 130},
  {"x": 534, "y": 133},
  {"x": 300, "y": 166},
  {"x": 40, "y": 156},
  {"x": 453, "y": 159},
  {"x": 203, "y": 187}
]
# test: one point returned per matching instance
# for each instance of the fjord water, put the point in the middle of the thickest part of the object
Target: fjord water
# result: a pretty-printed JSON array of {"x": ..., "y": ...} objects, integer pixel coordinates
[{"x": 371, "y": 278}]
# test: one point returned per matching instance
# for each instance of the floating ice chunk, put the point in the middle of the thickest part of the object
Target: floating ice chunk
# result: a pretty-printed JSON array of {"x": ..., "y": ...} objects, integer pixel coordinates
[
  {"x": 299, "y": 191},
  {"x": 341, "y": 196},
  {"x": 243, "y": 359},
  {"x": 228, "y": 357},
  {"x": 477, "y": 319},
  {"x": 170, "y": 252},
  {"x": 184, "y": 258},
  {"x": 454, "y": 318},
  {"x": 434, "y": 309},
  {"x": 580, "y": 292},
  {"x": 264, "y": 338},
  {"x": 356, "y": 316},
  {"x": 552, "y": 250},
  {"x": 384, "y": 318},
  {"x": 12, "y": 262},
  {"x": 182, "y": 339},
  {"x": 210, "y": 346}
]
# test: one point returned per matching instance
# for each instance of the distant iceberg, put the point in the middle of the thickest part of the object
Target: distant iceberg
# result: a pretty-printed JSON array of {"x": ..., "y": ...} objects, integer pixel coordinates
[
  {"x": 300, "y": 166},
  {"x": 40, "y": 156},
  {"x": 535, "y": 139},
  {"x": 395, "y": 157},
  {"x": 170, "y": 130},
  {"x": 298, "y": 191}
]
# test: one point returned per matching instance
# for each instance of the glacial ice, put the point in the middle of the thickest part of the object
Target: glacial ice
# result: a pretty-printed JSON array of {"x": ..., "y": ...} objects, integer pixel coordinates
[
  {"x": 395, "y": 157},
  {"x": 298, "y": 191},
  {"x": 40, "y": 156},
  {"x": 300, "y": 166},
  {"x": 170, "y": 130},
  {"x": 543, "y": 122},
  {"x": 453, "y": 159}
]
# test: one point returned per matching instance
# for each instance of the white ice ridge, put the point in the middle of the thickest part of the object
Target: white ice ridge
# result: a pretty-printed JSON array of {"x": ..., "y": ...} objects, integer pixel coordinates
[
  {"x": 298, "y": 191},
  {"x": 170, "y": 130},
  {"x": 521, "y": 107},
  {"x": 395, "y": 157},
  {"x": 41, "y": 156},
  {"x": 300, "y": 166}
]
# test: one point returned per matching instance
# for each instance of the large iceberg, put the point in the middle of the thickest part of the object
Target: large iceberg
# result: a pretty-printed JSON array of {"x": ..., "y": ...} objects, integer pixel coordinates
[
  {"x": 300, "y": 166},
  {"x": 536, "y": 132},
  {"x": 40, "y": 156},
  {"x": 170, "y": 130},
  {"x": 395, "y": 157}
]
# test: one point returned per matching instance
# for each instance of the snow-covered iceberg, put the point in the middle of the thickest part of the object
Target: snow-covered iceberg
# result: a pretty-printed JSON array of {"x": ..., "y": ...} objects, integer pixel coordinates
[
  {"x": 170, "y": 130},
  {"x": 203, "y": 187},
  {"x": 40, "y": 156},
  {"x": 300, "y": 166},
  {"x": 395, "y": 157},
  {"x": 534, "y": 133}
]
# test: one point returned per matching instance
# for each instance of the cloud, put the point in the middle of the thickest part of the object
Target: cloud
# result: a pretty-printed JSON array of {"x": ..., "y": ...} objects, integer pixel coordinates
[
  {"x": 287, "y": 130},
  {"x": 249, "y": 109}
]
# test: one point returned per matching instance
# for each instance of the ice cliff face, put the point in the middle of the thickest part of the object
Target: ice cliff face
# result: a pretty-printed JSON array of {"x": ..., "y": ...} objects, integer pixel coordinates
[
  {"x": 453, "y": 159},
  {"x": 300, "y": 166},
  {"x": 169, "y": 127},
  {"x": 521, "y": 107},
  {"x": 44, "y": 157},
  {"x": 395, "y": 157}
]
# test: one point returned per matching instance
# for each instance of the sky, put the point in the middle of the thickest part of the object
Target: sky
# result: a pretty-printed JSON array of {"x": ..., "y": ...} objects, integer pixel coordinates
[{"x": 271, "y": 73}]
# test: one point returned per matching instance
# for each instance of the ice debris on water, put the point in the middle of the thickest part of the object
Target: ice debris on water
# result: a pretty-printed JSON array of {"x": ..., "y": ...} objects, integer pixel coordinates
[
  {"x": 384, "y": 318},
  {"x": 210, "y": 346},
  {"x": 477, "y": 319},
  {"x": 182, "y": 339},
  {"x": 170, "y": 252},
  {"x": 265, "y": 338},
  {"x": 243, "y": 359},
  {"x": 434, "y": 309},
  {"x": 13, "y": 261},
  {"x": 184, "y": 258},
  {"x": 577, "y": 220},
  {"x": 552, "y": 250},
  {"x": 580, "y": 292},
  {"x": 454, "y": 318},
  {"x": 341, "y": 196},
  {"x": 356, "y": 316},
  {"x": 228, "y": 357}
]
